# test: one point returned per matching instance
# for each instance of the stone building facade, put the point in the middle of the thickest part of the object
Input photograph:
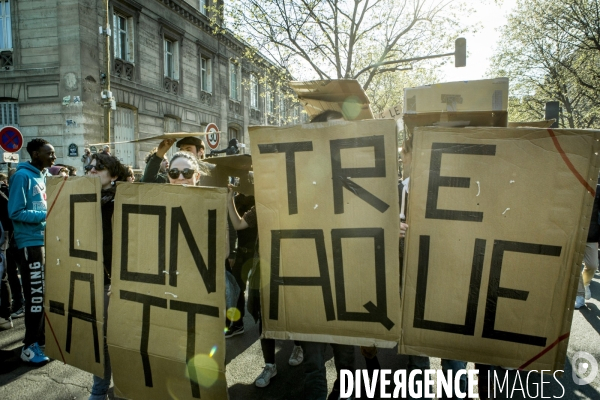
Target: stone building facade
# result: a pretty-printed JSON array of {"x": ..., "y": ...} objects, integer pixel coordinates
[{"x": 168, "y": 73}]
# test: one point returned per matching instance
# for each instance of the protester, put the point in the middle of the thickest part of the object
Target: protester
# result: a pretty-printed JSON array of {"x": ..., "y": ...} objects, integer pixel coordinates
[
  {"x": 315, "y": 381},
  {"x": 27, "y": 209},
  {"x": 156, "y": 168},
  {"x": 12, "y": 303},
  {"x": 109, "y": 170},
  {"x": 129, "y": 175},
  {"x": 590, "y": 257},
  {"x": 245, "y": 265},
  {"x": 58, "y": 170},
  {"x": 231, "y": 149},
  {"x": 86, "y": 158},
  {"x": 17, "y": 305},
  {"x": 193, "y": 145},
  {"x": 185, "y": 169}
]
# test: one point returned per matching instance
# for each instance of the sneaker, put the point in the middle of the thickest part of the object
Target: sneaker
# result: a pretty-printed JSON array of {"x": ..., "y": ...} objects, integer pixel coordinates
[
  {"x": 264, "y": 378},
  {"x": 297, "y": 356},
  {"x": 33, "y": 354},
  {"x": 19, "y": 313},
  {"x": 5, "y": 323},
  {"x": 588, "y": 292},
  {"x": 234, "y": 330},
  {"x": 579, "y": 302}
]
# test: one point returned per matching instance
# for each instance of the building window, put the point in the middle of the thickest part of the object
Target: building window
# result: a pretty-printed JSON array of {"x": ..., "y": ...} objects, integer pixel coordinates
[
  {"x": 234, "y": 81},
  {"x": 253, "y": 91},
  {"x": 205, "y": 75},
  {"x": 123, "y": 37},
  {"x": 9, "y": 114},
  {"x": 171, "y": 37},
  {"x": 5, "y": 26},
  {"x": 269, "y": 100},
  {"x": 169, "y": 59},
  {"x": 203, "y": 6}
]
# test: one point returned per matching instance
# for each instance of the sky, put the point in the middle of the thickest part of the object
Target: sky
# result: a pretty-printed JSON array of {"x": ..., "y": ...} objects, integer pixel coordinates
[{"x": 481, "y": 46}]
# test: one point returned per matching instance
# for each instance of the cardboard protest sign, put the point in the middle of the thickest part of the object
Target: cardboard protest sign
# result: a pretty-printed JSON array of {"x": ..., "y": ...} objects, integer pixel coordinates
[
  {"x": 237, "y": 166},
  {"x": 172, "y": 135},
  {"x": 167, "y": 308},
  {"x": 74, "y": 298},
  {"x": 327, "y": 207},
  {"x": 344, "y": 95},
  {"x": 498, "y": 220}
]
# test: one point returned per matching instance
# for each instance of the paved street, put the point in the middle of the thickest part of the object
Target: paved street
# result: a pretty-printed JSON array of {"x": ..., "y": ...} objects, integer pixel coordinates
[{"x": 56, "y": 381}]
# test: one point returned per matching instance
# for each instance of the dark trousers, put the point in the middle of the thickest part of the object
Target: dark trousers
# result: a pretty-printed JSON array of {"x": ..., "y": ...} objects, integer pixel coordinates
[
  {"x": 12, "y": 271},
  {"x": 241, "y": 269},
  {"x": 268, "y": 346},
  {"x": 315, "y": 380},
  {"x": 4, "y": 295},
  {"x": 31, "y": 263}
]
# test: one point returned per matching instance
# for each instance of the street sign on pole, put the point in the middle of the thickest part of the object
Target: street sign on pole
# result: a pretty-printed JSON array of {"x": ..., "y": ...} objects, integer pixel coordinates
[
  {"x": 10, "y": 157},
  {"x": 11, "y": 139},
  {"x": 212, "y": 139}
]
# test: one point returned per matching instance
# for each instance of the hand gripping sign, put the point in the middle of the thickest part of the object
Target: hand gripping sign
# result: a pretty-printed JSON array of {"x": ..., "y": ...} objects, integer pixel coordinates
[
  {"x": 74, "y": 299},
  {"x": 498, "y": 222},
  {"x": 167, "y": 308},
  {"x": 327, "y": 208}
]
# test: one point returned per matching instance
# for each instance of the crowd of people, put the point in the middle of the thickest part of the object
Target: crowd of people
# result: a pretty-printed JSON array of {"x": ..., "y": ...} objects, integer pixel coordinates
[{"x": 23, "y": 219}]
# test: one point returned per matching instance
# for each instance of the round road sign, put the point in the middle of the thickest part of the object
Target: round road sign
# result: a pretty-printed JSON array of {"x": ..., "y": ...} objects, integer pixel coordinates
[
  {"x": 212, "y": 139},
  {"x": 11, "y": 139}
]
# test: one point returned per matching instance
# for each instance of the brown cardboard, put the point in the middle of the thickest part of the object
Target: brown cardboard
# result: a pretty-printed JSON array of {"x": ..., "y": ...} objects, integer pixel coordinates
[
  {"x": 462, "y": 96},
  {"x": 527, "y": 193},
  {"x": 74, "y": 251},
  {"x": 235, "y": 166},
  {"x": 344, "y": 95},
  {"x": 456, "y": 119},
  {"x": 301, "y": 310},
  {"x": 172, "y": 135},
  {"x": 532, "y": 124},
  {"x": 149, "y": 273}
]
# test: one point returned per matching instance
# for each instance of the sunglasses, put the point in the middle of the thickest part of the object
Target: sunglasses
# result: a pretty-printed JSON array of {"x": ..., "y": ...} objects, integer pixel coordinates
[
  {"x": 98, "y": 166},
  {"x": 187, "y": 173}
]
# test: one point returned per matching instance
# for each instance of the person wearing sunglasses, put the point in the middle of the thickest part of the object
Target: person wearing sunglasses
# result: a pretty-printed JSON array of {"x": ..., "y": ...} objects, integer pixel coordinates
[
  {"x": 109, "y": 170},
  {"x": 184, "y": 167}
]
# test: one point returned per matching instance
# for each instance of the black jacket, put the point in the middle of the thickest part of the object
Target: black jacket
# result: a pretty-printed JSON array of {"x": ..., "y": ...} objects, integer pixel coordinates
[{"x": 594, "y": 232}]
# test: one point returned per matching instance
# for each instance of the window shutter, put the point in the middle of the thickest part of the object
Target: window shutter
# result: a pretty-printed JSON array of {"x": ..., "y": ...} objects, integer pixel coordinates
[
  {"x": 130, "y": 40},
  {"x": 209, "y": 75},
  {"x": 176, "y": 61}
]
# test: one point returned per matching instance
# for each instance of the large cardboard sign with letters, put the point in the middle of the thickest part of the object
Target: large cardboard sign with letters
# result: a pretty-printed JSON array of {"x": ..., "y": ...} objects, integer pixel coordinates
[
  {"x": 498, "y": 221},
  {"x": 74, "y": 296},
  {"x": 167, "y": 308},
  {"x": 327, "y": 206}
]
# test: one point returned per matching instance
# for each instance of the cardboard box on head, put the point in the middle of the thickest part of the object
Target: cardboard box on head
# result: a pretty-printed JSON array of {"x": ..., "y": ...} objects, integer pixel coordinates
[
  {"x": 498, "y": 222},
  {"x": 343, "y": 95},
  {"x": 327, "y": 206},
  {"x": 167, "y": 307},
  {"x": 238, "y": 166},
  {"x": 74, "y": 274}
]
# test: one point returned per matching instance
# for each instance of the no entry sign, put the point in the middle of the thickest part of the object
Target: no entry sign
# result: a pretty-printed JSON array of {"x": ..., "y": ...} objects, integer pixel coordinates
[
  {"x": 11, "y": 139},
  {"x": 212, "y": 139}
]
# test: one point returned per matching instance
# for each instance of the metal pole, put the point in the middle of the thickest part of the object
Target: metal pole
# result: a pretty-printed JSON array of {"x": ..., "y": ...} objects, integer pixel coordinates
[{"x": 107, "y": 100}]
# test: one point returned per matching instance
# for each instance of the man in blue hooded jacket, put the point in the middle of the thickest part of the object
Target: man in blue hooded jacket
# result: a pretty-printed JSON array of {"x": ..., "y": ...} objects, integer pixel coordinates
[{"x": 27, "y": 209}]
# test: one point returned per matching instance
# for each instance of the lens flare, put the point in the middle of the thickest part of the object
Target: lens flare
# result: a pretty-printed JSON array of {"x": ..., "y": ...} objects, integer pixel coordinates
[
  {"x": 233, "y": 314},
  {"x": 212, "y": 351},
  {"x": 351, "y": 107},
  {"x": 206, "y": 369}
]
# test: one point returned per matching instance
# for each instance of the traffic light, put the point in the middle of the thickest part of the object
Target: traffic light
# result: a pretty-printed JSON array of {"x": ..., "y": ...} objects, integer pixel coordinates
[{"x": 460, "y": 52}]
